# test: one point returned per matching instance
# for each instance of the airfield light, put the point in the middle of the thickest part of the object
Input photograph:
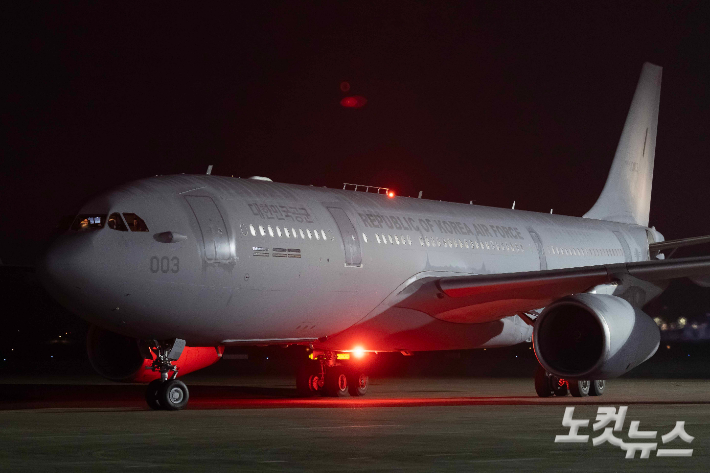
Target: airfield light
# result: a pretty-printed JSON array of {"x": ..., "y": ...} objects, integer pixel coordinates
[
  {"x": 390, "y": 194},
  {"x": 358, "y": 352},
  {"x": 682, "y": 321}
]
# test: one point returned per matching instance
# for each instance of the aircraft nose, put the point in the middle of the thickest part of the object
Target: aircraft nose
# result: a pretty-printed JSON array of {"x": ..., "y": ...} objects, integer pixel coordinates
[{"x": 65, "y": 267}]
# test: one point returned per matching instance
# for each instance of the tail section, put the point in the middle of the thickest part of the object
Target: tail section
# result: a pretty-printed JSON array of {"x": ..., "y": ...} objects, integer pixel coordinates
[{"x": 626, "y": 197}]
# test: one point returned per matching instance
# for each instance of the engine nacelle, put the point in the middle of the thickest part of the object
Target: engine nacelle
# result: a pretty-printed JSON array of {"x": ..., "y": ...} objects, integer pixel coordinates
[
  {"x": 120, "y": 358},
  {"x": 593, "y": 336}
]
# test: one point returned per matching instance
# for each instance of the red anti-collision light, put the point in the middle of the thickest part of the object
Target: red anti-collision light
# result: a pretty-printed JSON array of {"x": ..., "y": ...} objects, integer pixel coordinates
[
  {"x": 355, "y": 101},
  {"x": 390, "y": 194}
]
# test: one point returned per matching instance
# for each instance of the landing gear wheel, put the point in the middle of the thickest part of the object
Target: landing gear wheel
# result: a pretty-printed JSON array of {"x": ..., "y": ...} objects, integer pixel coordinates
[
  {"x": 543, "y": 387},
  {"x": 559, "y": 386},
  {"x": 580, "y": 388},
  {"x": 358, "y": 383},
  {"x": 151, "y": 394},
  {"x": 308, "y": 379},
  {"x": 336, "y": 382},
  {"x": 173, "y": 395},
  {"x": 597, "y": 388}
]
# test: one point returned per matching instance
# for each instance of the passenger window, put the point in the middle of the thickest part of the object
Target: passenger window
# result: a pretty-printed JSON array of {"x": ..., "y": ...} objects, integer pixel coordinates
[
  {"x": 135, "y": 223},
  {"x": 384, "y": 239},
  {"x": 262, "y": 231},
  {"x": 115, "y": 222},
  {"x": 271, "y": 231},
  {"x": 364, "y": 237},
  {"x": 322, "y": 232},
  {"x": 316, "y": 234},
  {"x": 88, "y": 222},
  {"x": 396, "y": 239},
  {"x": 377, "y": 237},
  {"x": 302, "y": 234},
  {"x": 293, "y": 230},
  {"x": 288, "y": 235},
  {"x": 252, "y": 230},
  {"x": 278, "y": 231},
  {"x": 310, "y": 237},
  {"x": 421, "y": 241},
  {"x": 390, "y": 238}
]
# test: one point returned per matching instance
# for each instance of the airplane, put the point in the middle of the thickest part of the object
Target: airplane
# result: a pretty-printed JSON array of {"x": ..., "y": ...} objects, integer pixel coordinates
[{"x": 170, "y": 270}]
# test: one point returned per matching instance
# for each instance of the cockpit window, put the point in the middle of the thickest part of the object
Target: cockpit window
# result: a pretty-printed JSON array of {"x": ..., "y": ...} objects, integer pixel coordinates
[
  {"x": 88, "y": 222},
  {"x": 135, "y": 223},
  {"x": 115, "y": 222}
]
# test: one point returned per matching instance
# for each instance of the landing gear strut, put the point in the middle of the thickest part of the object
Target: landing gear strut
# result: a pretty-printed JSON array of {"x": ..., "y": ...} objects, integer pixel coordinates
[
  {"x": 547, "y": 384},
  {"x": 327, "y": 376},
  {"x": 167, "y": 392}
]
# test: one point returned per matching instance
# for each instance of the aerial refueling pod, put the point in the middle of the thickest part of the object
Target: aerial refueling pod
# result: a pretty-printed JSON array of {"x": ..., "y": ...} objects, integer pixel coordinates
[
  {"x": 120, "y": 358},
  {"x": 593, "y": 336}
]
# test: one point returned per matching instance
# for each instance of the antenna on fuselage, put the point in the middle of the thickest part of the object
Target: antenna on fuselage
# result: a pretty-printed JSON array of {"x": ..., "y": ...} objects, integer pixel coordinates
[
  {"x": 420, "y": 194},
  {"x": 513, "y": 205},
  {"x": 550, "y": 211},
  {"x": 209, "y": 170}
]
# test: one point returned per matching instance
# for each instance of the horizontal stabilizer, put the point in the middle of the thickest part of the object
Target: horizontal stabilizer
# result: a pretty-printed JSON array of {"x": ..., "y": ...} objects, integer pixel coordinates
[{"x": 664, "y": 245}]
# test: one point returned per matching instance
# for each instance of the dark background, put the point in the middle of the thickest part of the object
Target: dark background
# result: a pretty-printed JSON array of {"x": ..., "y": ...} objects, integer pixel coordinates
[{"x": 483, "y": 101}]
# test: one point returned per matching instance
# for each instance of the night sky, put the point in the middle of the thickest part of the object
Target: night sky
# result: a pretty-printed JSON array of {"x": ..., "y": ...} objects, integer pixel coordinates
[{"x": 490, "y": 101}]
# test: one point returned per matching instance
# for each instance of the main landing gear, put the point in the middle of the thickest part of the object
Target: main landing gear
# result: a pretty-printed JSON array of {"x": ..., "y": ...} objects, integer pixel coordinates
[
  {"x": 547, "y": 384},
  {"x": 327, "y": 376},
  {"x": 167, "y": 392}
]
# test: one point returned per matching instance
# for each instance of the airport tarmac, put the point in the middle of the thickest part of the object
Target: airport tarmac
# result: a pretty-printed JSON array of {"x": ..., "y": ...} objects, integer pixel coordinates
[{"x": 257, "y": 424}]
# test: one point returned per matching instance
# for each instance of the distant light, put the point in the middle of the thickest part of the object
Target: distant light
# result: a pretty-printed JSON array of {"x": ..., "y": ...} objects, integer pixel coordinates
[
  {"x": 354, "y": 101},
  {"x": 682, "y": 321},
  {"x": 668, "y": 347},
  {"x": 51, "y": 356},
  {"x": 345, "y": 86},
  {"x": 390, "y": 194},
  {"x": 358, "y": 352}
]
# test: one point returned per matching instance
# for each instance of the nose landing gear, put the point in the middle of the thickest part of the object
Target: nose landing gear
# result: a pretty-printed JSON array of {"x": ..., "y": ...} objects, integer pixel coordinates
[{"x": 167, "y": 392}]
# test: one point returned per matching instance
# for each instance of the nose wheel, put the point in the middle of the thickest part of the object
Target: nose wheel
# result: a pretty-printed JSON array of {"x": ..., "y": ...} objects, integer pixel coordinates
[{"x": 166, "y": 393}]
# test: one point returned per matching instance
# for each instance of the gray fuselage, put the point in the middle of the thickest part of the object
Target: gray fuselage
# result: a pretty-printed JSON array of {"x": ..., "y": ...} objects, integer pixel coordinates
[{"x": 265, "y": 262}]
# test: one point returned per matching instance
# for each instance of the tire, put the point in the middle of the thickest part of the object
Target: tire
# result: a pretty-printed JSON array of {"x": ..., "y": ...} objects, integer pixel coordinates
[
  {"x": 336, "y": 382},
  {"x": 151, "y": 394},
  {"x": 597, "y": 387},
  {"x": 173, "y": 395},
  {"x": 543, "y": 386},
  {"x": 358, "y": 383},
  {"x": 308, "y": 382},
  {"x": 559, "y": 386},
  {"x": 580, "y": 388}
]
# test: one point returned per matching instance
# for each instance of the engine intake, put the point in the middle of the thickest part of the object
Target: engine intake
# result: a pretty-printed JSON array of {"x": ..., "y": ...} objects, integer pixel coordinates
[
  {"x": 120, "y": 358},
  {"x": 593, "y": 336}
]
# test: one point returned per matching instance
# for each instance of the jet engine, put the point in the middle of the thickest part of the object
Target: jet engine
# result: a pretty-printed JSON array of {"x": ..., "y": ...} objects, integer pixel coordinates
[
  {"x": 120, "y": 358},
  {"x": 593, "y": 336}
]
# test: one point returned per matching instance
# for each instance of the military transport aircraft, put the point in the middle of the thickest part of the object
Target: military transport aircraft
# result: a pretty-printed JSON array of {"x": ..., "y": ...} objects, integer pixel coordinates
[{"x": 170, "y": 270}]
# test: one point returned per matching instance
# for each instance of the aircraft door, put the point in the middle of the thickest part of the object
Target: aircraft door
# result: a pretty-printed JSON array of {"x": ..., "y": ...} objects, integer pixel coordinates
[
  {"x": 540, "y": 249},
  {"x": 214, "y": 231},
  {"x": 351, "y": 242}
]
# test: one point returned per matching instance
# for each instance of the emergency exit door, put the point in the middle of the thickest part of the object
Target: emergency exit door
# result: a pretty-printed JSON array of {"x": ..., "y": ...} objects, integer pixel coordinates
[
  {"x": 214, "y": 232},
  {"x": 351, "y": 242}
]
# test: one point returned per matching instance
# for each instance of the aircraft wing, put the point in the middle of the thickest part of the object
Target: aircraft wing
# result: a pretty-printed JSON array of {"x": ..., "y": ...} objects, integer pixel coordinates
[{"x": 481, "y": 298}]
